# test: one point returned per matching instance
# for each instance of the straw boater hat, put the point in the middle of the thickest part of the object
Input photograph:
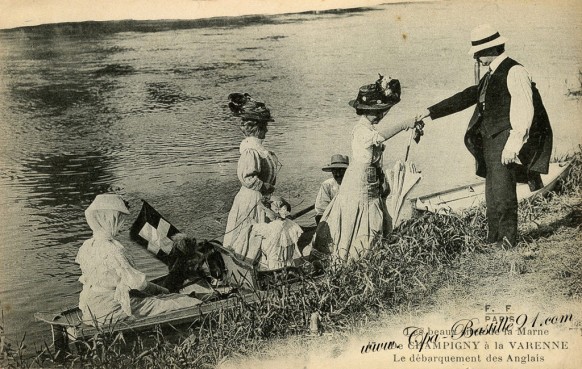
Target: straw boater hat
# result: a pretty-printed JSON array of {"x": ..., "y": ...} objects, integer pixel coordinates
[
  {"x": 108, "y": 201},
  {"x": 337, "y": 162},
  {"x": 484, "y": 37},
  {"x": 374, "y": 98},
  {"x": 244, "y": 106}
]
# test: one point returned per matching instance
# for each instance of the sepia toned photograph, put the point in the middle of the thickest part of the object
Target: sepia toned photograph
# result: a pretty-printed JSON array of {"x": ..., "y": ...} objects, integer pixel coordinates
[{"x": 291, "y": 184}]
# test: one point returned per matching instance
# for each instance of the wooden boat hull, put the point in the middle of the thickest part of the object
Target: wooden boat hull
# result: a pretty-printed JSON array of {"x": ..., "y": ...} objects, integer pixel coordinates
[
  {"x": 67, "y": 326},
  {"x": 460, "y": 199}
]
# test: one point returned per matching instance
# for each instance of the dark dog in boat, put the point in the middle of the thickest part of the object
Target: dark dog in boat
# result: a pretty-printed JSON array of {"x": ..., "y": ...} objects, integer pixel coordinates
[{"x": 193, "y": 261}]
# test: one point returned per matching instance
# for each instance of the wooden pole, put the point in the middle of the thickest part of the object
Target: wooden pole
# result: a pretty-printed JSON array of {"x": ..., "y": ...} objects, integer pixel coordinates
[{"x": 302, "y": 212}]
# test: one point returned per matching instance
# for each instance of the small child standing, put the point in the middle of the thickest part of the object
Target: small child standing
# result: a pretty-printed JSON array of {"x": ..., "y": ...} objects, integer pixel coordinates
[{"x": 280, "y": 236}]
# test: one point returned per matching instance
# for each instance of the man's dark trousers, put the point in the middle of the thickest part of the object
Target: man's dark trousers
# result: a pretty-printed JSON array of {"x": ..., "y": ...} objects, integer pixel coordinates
[{"x": 500, "y": 191}]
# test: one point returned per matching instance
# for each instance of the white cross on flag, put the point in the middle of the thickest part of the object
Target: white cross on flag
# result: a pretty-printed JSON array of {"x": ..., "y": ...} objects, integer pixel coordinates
[
  {"x": 157, "y": 237},
  {"x": 154, "y": 232}
]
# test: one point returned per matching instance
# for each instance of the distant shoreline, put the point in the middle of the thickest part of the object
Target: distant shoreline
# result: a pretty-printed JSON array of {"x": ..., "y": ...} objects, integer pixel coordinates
[
  {"x": 158, "y": 25},
  {"x": 29, "y": 15}
]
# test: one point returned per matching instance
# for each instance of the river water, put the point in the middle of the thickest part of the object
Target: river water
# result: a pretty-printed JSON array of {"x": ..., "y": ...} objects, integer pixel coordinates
[{"x": 141, "y": 109}]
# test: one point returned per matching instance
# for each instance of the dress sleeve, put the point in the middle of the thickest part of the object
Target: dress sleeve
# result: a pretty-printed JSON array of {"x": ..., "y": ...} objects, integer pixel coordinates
[
  {"x": 249, "y": 167},
  {"x": 129, "y": 276},
  {"x": 388, "y": 130},
  {"x": 294, "y": 231},
  {"x": 323, "y": 199},
  {"x": 366, "y": 138}
]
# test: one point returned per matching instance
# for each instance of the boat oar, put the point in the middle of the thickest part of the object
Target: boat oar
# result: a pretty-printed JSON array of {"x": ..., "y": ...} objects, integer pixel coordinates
[{"x": 302, "y": 212}]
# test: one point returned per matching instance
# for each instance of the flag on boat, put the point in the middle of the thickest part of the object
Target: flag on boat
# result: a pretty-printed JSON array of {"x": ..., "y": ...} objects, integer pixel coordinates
[{"x": 153, "y": 231}]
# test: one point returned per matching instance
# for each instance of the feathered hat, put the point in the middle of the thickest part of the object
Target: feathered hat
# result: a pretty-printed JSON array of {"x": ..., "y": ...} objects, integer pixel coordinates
[{"x": 244, "y": 106}]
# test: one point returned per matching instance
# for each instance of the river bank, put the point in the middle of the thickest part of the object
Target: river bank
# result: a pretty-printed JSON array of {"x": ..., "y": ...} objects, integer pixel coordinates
[
  {"x": 541, "y": 276},
  {"x": 434, "y": 270}
]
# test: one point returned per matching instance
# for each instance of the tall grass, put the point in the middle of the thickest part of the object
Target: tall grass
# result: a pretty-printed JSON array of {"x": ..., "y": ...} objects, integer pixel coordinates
[{"x": 400, "y": 271}]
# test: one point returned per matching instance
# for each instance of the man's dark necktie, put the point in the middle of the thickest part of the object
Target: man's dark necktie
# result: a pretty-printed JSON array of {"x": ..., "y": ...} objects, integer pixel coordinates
[{"x": 484, "y": 88}]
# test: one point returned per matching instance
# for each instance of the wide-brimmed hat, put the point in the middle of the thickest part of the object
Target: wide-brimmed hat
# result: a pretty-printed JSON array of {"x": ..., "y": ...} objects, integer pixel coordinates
[
  {"x": 375, "y": 98},
  {"x": 484, "y": 37},
  {"x": 244, "y": 106},
  {"x": 337, "y": 161},
  {"x": 108, "y": 201}
]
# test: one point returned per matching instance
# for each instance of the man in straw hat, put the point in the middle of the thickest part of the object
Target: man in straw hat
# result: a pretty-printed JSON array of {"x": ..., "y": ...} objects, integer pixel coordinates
[
  {"x": 329, "y": 188},
  {"x": 509, "y": 133}
]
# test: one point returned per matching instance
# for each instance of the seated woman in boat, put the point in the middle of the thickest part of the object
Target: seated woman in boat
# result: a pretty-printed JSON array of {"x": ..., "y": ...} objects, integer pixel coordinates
[
  {"x": 357, "y": 217},
  {"x": 257, "y": 172},
  {"x": 109, "y": 274},
  {"x": 280, "y": 236}
]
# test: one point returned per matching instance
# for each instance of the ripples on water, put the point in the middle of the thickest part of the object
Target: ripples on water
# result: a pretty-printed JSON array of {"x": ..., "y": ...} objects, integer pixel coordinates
[{"x": 140, "y": 108}]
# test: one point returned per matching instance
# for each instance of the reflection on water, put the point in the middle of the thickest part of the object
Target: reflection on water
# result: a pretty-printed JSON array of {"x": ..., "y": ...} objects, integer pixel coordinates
[
  {"x": 140, "y": 108},
  {"x": 50, "y": 100},
  {"x": 67, "y": 178}
]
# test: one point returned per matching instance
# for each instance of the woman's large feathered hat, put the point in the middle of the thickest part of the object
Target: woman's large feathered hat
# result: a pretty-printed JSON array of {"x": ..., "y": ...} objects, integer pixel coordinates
[
  {"x": 375, "y": 98},
  {"x": 244, "y": 106}
]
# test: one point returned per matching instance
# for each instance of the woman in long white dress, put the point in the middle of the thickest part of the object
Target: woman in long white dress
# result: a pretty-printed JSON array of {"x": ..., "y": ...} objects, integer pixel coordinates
[
  {"x": 108, "y": 272},
  {"x": 257, "y": 173},
  {"x": 357, "y": 217}
]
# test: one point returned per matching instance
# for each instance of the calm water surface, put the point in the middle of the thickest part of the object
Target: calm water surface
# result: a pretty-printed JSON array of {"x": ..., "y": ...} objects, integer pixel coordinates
[{"x": 145, "y": 114}]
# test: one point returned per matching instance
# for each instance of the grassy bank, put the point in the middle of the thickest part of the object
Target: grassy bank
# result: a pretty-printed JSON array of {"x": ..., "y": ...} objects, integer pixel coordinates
[{"x": 423, "y": 258}]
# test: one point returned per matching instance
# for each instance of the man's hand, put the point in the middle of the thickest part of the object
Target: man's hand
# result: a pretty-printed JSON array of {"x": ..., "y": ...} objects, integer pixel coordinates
[
  {"x": 422, "y": 115},
  {"x": 509, "y": 156}
]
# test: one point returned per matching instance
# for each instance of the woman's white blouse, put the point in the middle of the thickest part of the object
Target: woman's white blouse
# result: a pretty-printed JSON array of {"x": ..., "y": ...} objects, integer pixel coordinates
[
  {"x": 105, "y": 265},
  {"x": 364, "y": 138}
]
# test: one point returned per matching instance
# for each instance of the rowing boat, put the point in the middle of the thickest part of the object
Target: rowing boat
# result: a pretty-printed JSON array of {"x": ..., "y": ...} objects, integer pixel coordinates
[
  {"x": 246, "y": 285},
  {"x": 463, "y": 198},
  {"x": 68, "y": 328}
]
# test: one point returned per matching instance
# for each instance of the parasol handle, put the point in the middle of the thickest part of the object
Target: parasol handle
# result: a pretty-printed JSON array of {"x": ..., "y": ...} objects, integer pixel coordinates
[{"x": 409, "y": 144}]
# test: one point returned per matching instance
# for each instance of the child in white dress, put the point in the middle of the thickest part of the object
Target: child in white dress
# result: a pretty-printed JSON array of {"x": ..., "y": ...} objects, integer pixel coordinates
[{"x": 280, "y": 236}]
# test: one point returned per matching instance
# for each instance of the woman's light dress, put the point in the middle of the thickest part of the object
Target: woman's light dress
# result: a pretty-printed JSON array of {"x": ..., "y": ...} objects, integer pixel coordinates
[
  {"x": 256, "y": 166},
  {"x": 357, "y": 217}
]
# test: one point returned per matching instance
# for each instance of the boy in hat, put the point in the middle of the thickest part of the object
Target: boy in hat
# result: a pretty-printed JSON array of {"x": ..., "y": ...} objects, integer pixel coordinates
[
  {"x": 509, "y": 133},
  {"x": 329, "y": 188}
]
